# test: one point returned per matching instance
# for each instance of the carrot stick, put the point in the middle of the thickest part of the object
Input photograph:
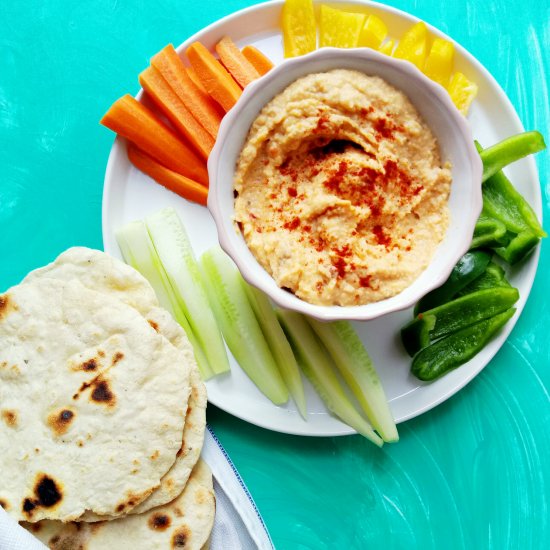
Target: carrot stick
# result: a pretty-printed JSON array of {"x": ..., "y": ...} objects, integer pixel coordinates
[
  {"x": 198, "y": 102},
  {"x": 185, "y": 187},
  {"x": 175, "y": 110},
  {"x": 260, "y": 62},
  {"x": 196, "y": 80},
  {"x": 217, "y": 81},
  {"x": 132, "y": 120},
  {"x": 235, "y": 62}
]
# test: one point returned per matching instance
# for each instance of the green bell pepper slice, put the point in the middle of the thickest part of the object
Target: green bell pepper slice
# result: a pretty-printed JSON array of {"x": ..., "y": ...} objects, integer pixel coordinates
[
  {"x": 488, "y": 232},
  {"x": 468, "y": 268},
  {"x": 513, "y": 148},
  {"x": 518, "y": 247},
  {"x": 458, "y": 348},
  {"x": 502, "y": 201},
  {"x": 455, "y": 315},
  {"x": 493, "y": 276}
]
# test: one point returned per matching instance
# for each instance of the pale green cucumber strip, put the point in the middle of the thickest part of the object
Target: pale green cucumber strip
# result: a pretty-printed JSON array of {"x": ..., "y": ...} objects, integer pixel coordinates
[
  {"x": 355, "y": 366},
  {"x": 176, "y": 255},
  {"x": 239, "y": 325},
  {"x": 138, "y": 251},
  {"x": 278, "y": 344},
  {"x": 317, "y": 366}
]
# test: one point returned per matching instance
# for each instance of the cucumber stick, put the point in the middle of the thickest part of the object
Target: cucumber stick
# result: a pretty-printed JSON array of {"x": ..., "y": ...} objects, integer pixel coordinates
[
  {"x": 355, "y": 366},
  {"x": 239, "y": 325},
  {"x": 176, "y": 255},
  {"x": 138, "y": 251},
  {"x": 318, "y": 368},
  {"x": 278, "y": 344}
]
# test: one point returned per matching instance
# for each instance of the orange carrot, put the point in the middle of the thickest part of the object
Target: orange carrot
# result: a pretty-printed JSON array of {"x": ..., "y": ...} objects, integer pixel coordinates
[
  {"x": 185, "y": 187},
  {"x": 235, "y": 62},
  {"x": 217, "y": 81},
  {"x": 175, "y": 110},
  {"x": 260, "y": 62},
  {"x": 198, "y": 102},
  {"x": 132, "y": 120},
  {"x": 196, "y": 80}
]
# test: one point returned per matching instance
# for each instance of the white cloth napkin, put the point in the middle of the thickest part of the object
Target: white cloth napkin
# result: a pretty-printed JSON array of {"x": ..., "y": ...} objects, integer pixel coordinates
[
  {"x": 238, "y": 524},
  {"x": 14, "y": 537}
]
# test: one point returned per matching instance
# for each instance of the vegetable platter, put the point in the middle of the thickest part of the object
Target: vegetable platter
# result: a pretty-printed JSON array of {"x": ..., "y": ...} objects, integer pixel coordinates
[{"x": 130, "y": 195}]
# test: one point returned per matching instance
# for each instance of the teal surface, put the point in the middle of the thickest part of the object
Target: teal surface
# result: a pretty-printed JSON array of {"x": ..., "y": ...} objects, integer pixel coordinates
[{"x": 473, "y": 473}]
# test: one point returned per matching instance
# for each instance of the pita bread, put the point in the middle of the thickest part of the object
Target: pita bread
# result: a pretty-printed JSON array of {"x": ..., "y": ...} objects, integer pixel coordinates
[
  {"x": 92, "y": 402},
  {"x": 185, "y": 522},
  {"x": 101, "y": 272}
]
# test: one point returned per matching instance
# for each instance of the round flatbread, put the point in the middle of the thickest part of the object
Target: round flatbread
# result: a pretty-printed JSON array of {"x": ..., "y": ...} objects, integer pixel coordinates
[
  {"x": 99, "y": 271},
  {"x": 186, "y": 522},
  {"x": 92, "y": 402}
]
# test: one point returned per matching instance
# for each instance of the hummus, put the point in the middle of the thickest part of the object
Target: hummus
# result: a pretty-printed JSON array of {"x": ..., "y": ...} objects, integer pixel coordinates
[{"x": 340, "y": 192}]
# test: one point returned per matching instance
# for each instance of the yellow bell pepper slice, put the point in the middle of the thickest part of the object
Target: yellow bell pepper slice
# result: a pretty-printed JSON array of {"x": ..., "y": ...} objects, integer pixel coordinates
[
  {"x": 299, "y": 29},
  {"x": 462, "y": 92},
  {"x": 439, "y": 62},
  {"x": 340, "y": 29},
  {"x": 413, "y": 45},
  {"x": 373, "y": 33},
  {"x": 387, "y": 47}
]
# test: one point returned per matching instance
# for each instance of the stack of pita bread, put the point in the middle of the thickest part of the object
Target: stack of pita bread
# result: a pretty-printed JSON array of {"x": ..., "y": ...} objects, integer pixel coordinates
[{"x": 102, "y": 411}]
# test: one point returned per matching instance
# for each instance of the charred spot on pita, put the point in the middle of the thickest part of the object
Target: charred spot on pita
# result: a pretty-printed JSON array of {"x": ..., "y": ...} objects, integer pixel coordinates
[
  {"x": 9, "y": 417},
  {"x": 66, "y": 415},
  {"x": 71, "y": 540},
  {"x": 4, "y": 504},
  {"x": 47, "y": 491},
  {"x": 28, "y": 506},
  {"x": 118, "y": 356},
  {"x": 89, "y": 365},
  {"x": 102, "y": 393},
  {"x": 153, "y": 325},
  {"x": 46, "y": 495},
  {"x": 6, "y": 305},
  {"x": 60, "y": 421},
  {"x": 179, "y": 538},
  {"x": 159, "y": 522}
]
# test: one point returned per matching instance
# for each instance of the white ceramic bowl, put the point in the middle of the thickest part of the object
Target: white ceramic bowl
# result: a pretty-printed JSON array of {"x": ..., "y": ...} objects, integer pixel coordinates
[{"x": 433, "y": 103}]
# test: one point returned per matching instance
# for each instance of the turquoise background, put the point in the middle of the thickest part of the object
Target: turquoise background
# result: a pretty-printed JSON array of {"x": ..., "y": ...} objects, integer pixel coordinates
[{"x": 472, "y": 473}]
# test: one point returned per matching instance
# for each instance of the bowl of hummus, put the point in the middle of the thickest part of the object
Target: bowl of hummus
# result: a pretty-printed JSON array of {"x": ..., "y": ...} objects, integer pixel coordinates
[{"x": 345, "y": 184}]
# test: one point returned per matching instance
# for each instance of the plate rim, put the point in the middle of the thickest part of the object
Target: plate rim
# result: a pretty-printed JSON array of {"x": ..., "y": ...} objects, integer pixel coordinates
[{"x": 531, "y": 264}]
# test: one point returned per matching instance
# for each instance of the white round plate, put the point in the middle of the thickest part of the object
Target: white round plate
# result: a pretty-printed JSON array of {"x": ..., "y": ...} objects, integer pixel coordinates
[{"x": 129, "y": 195}]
